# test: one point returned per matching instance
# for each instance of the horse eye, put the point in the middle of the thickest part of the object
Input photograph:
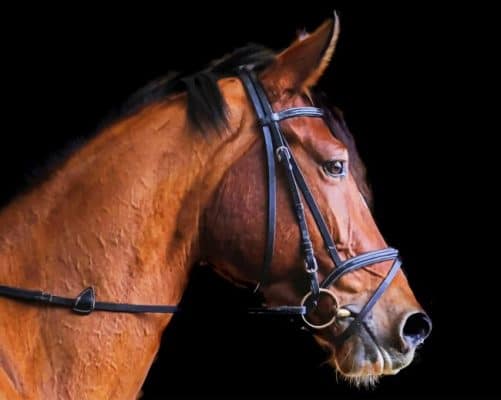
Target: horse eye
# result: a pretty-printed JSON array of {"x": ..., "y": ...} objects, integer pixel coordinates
[{"x": 335, "y": 168}]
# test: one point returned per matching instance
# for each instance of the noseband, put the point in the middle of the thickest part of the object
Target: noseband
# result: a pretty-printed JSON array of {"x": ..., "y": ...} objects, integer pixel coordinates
[{"x": 276, "y": 147}]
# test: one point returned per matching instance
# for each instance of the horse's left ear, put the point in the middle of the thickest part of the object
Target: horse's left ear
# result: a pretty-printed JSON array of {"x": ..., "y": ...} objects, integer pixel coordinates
[{"x": 302, "y": 64}]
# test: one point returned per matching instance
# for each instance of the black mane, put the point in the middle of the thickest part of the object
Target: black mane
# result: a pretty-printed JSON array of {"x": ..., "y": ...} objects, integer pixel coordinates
[{"x": 206, "y": 106}]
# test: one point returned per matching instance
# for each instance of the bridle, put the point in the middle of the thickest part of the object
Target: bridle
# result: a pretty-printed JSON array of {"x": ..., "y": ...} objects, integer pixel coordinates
[{"x": 276, "y": 146}]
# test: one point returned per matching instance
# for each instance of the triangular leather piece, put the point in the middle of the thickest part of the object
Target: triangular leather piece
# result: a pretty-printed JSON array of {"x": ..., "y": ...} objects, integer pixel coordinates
[{"x": 85, "y": 302}]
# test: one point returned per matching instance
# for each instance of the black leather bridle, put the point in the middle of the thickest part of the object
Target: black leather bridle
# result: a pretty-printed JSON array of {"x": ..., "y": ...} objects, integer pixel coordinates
[{"x": 276, "y": 147}]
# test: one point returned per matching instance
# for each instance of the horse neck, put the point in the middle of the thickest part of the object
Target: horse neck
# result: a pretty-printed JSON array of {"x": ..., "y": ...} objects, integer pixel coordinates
[
  {"x": 121, "y": 215},
  {"x": 138, "y": 187},
  {"x": 111, "y": 211}
]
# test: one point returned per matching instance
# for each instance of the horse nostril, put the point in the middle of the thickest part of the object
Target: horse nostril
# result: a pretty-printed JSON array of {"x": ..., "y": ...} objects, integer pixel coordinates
[{"x": 416, "y": 328}]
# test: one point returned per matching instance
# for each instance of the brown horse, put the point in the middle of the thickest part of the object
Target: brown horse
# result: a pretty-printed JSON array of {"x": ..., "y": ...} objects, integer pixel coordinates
[{"x": 182, "y": 179}]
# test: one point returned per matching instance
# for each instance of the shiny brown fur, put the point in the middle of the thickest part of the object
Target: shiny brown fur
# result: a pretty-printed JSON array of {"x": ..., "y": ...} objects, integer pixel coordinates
[{"x": 133, "y": 210}]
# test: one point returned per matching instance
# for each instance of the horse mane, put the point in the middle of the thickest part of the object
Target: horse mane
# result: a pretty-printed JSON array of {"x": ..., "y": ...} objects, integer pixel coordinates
[{"x": 207, "y": 108}]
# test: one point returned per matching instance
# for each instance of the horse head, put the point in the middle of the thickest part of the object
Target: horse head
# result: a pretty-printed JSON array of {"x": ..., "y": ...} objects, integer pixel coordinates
[{"x": 237, "y": 223}]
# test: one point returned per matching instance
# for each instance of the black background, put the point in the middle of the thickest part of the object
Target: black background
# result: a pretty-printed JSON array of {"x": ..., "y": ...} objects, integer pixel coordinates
[{"x": 64, "y": 70}]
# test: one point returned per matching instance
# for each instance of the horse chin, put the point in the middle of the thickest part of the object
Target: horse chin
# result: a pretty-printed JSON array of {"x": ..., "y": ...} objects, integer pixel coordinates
[{"x": 361, "y": 361}]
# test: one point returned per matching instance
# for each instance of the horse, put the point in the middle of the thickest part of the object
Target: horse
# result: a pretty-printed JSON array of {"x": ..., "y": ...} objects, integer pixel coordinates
[{"x": 188, "y": 175}]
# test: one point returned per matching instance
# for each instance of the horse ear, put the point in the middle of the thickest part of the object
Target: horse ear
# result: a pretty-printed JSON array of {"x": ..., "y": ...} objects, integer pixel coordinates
[{"x": 301, "y": 65}]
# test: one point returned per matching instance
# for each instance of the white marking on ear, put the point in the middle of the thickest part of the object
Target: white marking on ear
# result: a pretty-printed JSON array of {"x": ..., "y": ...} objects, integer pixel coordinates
[{"x": 328, "y": 53}]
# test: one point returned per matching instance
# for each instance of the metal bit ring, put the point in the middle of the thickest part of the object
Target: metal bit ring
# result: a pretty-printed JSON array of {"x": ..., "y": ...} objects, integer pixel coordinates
[{"x": 330, "y": 321}]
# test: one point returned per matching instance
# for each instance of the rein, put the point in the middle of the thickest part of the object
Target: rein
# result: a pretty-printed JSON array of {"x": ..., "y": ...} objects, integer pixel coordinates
[{"x": 85, "y": 303}]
